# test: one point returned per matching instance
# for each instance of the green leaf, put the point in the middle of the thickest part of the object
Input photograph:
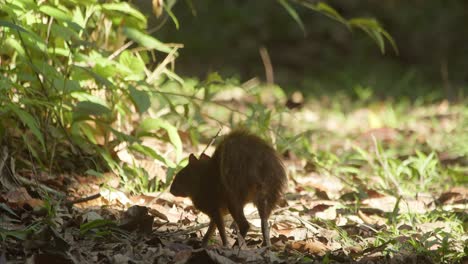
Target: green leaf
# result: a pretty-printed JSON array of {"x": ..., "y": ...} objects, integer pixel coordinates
[
  {"x": 151, "y": 124},
  {"x": 88, "y": 131},
  {"x": 140, "y": 99},
  {"x": 375, "y": 31},
  {"x": 29, "y": 121},
  {"x": 171, "y": 14},
  {"x": 96, "y": 224},
  {"x": 325, "y": 10},
  {"x": 4, "y": 23},
  {"x": 292, "y": 12},
  {"x": 145, "y": 40},
  {"x": 88, "y": 108},
  {"x": 97, "y": 77},
  {"x": 92, "y": 172},
  {"x": 133, "y": 66},
  {"x": 64, "y": 32},
  {"x": 150, "y": 152},
  {"x": 214, "y": 77},
  {"x": 16, "y": 45},
  {"x": 125, "y": 8},
  {"x": 55, "y": 12}
]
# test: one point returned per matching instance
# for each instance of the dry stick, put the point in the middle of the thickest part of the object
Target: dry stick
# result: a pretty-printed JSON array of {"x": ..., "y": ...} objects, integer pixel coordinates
[
  {"x": 162, "y": 65},
  {"x": 84, "y": 199},
  {"x": 267, "y": 65},
  {"x": 120, "y": 50},
  {"x": 212, "y": 140}
]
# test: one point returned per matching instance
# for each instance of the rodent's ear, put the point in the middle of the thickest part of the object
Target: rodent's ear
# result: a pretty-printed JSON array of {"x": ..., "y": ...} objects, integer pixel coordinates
[
  {"x": 192, "y": 158},
  {"x": 203, "y": 156}
]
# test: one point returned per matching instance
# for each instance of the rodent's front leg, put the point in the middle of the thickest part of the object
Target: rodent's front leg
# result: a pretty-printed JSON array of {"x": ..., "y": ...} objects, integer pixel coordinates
[
  {"x": 219, "y": 221},
  {"x": 209, "y": 233},
  {"x": 264, "y": 212}
]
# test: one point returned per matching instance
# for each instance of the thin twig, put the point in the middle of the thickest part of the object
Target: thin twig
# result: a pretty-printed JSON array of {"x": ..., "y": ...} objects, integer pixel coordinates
[
  {"x": 267, "y": 65},
  {"x": 212, "y": 140},
  {"x": 84, "y": 199},
  {"x": 120, "y": 50},
  {"x": 162, "y": 65}
]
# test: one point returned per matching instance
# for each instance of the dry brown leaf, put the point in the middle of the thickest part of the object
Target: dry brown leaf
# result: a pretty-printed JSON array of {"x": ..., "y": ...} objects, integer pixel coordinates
[
  {"x": 18, "y": 195},
  {"x": 309, "y": 246},
  {"x": 371, "y": 219},
  {"x": 455, "y": 195}
]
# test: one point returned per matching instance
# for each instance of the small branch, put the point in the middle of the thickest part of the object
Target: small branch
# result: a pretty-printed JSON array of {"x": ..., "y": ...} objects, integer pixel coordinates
[
  {"x": 267, "y": 65},
  {"x": 212, "y": 140},
  {"x": 162, "y": 65},
  {"x": 120, "y": 50},
  {"x": 84, "y": 199}
]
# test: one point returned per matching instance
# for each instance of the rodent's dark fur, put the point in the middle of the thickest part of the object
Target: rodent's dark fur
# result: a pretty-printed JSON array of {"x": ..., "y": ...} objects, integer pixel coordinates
[{"x": 244, "y": 168}]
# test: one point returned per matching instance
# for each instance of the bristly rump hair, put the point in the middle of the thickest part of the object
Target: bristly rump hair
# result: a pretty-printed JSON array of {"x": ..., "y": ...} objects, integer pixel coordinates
[{"x": 245, "y": 160}]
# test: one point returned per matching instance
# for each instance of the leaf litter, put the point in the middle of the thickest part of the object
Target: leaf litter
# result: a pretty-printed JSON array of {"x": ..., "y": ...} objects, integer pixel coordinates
[{"x": 322, "y": 219}]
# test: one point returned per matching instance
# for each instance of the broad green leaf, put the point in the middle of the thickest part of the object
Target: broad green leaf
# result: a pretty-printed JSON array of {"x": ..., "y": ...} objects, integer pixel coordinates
[
  {"x": 59, "y": 52},
  {"x": 88, "y": 131},
  {"x": 150, "y": 152},
  {"x": 152, "y": 124},
  {"x": 133, "y": 66},
  {"x": 123, "y": 136},
  {"x": 140, "y": 99},
  {"x": 5, "y": 23},
  {"x": 96, "y": 224},
  {"x": 214, "y": 77},
  {"x": 375, "y": 31},
  {"x": 145, "y": 40},
  {"x": 55, "y": 12},
  {"x": 125, "y": 8},
  {"x": 29, "y": 121},
  {"x": 330, "y": 12},
  {"x": 99, "y": 79},
  {"x": 15, "y": 45},
  {"x": 292, "y": 12},
  {"x": 92, "y": 172},
  {"x": 63, "y": 32},
  {"x": 88, "y": 108},
  {"x": 85, "y": 96}
]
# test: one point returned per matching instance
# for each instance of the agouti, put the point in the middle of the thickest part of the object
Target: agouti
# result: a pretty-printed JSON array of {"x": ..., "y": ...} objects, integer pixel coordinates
[{"x": 244, "y": 168}]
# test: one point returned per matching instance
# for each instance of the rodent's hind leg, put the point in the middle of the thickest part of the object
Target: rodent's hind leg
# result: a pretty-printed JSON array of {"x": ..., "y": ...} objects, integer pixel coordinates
[
  {"x": 240, "y": 242},
  {"x": 237, "y": 213},
  {"x": 264, "y": 211},
  {"x": 209, "y": 233}
]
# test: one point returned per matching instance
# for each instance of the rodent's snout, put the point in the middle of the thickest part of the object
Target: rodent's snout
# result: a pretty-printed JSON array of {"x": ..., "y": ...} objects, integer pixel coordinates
[
  {"x": 173, "y": 190},
  {"x": 176, "y": 190}
]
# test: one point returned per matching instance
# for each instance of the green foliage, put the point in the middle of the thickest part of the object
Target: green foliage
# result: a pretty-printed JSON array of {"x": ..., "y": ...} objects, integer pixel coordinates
[
  {"x": 71, "y": 82},
  {"x": 98, "y": 227},
  {"x": 370, "y": 26}
]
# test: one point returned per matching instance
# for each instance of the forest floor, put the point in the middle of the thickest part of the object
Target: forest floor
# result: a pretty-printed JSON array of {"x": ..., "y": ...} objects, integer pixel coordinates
[{"x": 380, "y": 182}]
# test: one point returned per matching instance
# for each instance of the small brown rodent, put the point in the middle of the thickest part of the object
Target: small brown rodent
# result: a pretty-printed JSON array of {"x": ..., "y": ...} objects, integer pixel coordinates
[{"x": 244, "y": 168}]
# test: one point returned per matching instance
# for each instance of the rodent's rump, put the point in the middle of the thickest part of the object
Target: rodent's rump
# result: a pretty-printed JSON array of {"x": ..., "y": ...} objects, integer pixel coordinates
[
  {"x": 247, "y": 162},
  {"x": 244, "y": 168}
]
